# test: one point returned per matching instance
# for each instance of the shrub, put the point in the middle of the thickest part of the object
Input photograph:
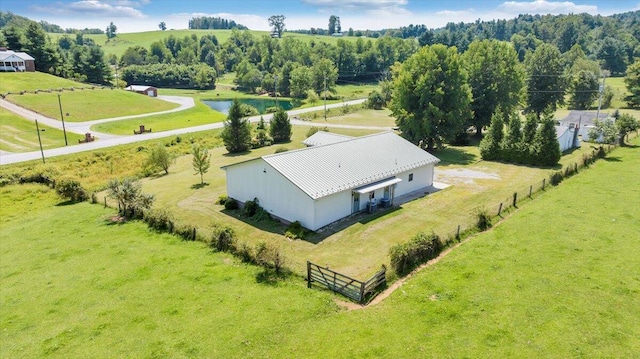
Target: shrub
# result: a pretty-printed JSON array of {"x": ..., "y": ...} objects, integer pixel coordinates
[
  {"x": 160, "y": 220},
  {"x": 222, "y": 199},
  {"x": 483, "y": 220},
  {"x": 251, "y": 207},
  {"x": 407, "y": 256},
  {"x": 268, "y": 255},
  {"x": 295, "y": 230},
  {"x": 245, "y": 253},
  {"x": 223, "y": 239},
  {"x": 71, "y": 189},
  {"x": 281, "y": 149},
  {"x": 187, "y": 233},
  {"x": 556, "y": 178},
  {"x": 231, "y": 204}
]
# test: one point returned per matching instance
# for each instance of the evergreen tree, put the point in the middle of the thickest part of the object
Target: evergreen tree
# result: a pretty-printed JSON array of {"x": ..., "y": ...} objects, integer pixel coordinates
[
  {"x": 512, "y": 144},
  {"x": 529, "y": 133},
  {"x": 490, "y": 145},
  {"x": 45, "y": 55},
  {"x": 236, "y": 134},
  {"x": 632, "y": 82},
  {"x": 547, "y": 147},
  {"x": 201, "y": 161},
  {"x": 280, "y": 129}
]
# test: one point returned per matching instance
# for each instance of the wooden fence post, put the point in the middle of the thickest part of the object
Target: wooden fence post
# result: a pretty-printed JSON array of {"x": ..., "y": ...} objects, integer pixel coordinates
[
  {"x": 193, "y": 236},
  {"x": 362, "y": 284},
  {"x": 105, "y": 202},
  {"x": 543, "y": 182},
  {"x": 530, "y": 190},
  {"x": 308, "y": 274},
  {"x": 500, "y": 209},
  {"x": 515, "y": 199},
  {"x": 458, "y": 233}
]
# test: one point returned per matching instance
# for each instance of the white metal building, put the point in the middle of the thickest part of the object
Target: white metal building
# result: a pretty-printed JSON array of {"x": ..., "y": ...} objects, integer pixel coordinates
[
  {"x": 321, "y": 184},
  {"x": 567, "y": 137},
  {"x": 324, "y": 138}
]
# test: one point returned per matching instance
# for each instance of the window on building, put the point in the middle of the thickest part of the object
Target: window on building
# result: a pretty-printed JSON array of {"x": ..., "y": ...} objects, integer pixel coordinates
[{"x": 410, "y": 177}]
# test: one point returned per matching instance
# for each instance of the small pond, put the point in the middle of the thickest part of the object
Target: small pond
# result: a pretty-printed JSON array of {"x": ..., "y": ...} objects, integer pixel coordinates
[{"x": 260, "y": 104}]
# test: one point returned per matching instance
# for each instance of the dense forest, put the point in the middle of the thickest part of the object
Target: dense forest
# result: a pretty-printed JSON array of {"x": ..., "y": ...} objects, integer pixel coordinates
[{"x": 300, "y": 68}]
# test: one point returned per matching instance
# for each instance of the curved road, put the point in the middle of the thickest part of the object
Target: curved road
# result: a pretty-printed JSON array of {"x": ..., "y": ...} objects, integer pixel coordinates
[{"x": 107, "y": 140}]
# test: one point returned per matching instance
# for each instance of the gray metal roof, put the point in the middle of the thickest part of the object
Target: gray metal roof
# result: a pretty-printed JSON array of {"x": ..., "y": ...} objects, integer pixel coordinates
[
  {"x": 323, "y": 170},
  {"x": 325, "y": 138},
  {"x": 585, "y": 118},
  {"x": 8, "y": 53}
]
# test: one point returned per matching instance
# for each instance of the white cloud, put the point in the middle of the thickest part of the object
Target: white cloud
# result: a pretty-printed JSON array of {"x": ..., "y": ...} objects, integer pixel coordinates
[
  {"x": 545, "y": 7},
  {"x": 95, "y": 8},
  {"x": 371, "y": 7}
]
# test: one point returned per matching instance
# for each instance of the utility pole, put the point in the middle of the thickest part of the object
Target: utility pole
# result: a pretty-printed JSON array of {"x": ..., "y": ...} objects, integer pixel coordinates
[
  {"x": 604, "y": 76},
  {"x": 64, "y": 130},
  {"x": 325, "y": 96},
  {"x": 39, "y": 141}
]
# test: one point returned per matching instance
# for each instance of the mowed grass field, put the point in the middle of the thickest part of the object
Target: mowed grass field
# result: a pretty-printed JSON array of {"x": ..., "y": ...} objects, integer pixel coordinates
[
  {"x": 120, "y": 43},
  {"x": 30, "y": 81},
  {"x": 201, "y": 114},
  {"x": 558, "y": 278},
  {"x": 20, "y": 135},
  {"x": 87, "y": 105}
]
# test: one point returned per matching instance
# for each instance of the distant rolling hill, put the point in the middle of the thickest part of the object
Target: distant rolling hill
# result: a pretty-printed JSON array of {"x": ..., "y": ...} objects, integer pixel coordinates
[{"x": 123, "y": 41}]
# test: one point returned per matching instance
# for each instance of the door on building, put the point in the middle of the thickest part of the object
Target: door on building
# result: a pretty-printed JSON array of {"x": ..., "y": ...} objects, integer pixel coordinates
[{"x": 356, "y": 202}]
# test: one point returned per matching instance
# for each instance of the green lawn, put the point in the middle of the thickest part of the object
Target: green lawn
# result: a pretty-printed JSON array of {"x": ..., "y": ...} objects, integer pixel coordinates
[
  {"x": 557, "y": 279},
  {"x": 20, "y": 135},
  {"x": 30, "y": 81},
  {"x": 199, "y": 115},
  {"x": 87, "y": 105}
]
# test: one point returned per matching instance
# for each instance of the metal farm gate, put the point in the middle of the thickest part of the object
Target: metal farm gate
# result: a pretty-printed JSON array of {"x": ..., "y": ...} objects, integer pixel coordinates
[{"x": 343, "y": 284}]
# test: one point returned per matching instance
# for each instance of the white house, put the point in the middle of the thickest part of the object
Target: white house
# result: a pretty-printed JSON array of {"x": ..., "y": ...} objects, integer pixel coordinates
[
  {"x": 16, "y": 61},
  {"x": 567, "y": 137},
  {"x": 321, "y": 184},
  {"x": 324, "y": 138}
]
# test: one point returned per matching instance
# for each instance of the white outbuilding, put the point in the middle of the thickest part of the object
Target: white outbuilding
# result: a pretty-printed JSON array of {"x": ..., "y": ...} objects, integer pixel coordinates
[{"x": 321, "y": 184}]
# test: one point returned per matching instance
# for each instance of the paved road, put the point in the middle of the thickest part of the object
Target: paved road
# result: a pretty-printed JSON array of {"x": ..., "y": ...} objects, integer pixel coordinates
[{"x": 111, "y": 140}]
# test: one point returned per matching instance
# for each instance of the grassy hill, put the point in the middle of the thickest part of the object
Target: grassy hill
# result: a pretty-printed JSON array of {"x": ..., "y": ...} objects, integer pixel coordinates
[
  {"x": 557, "y": 279},
  {"x": 123, "y": 41},
  {"x": 19, "y": 135},
  {"x": 86, "y": 104}
]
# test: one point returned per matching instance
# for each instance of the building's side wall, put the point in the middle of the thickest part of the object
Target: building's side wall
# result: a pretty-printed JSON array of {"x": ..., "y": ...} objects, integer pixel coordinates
[
  {"x": 422, "y": 177},
  {"x": 30, "y": 65},
  {"x": 332, "y": 208},
  {"x": 566, "y": 140},
  {"x": 276, "y": 194}
]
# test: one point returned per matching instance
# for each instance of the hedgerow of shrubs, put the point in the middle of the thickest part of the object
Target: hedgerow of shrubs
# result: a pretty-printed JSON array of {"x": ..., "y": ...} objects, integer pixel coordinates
[{"x": 407, "y": 256}]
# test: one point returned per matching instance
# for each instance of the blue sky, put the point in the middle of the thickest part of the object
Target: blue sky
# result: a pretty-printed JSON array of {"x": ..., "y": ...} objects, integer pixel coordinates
[{"x": 144, "y": 15}]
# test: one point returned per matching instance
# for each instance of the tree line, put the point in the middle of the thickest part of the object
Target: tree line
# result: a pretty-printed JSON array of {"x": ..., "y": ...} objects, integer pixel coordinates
[{"x": 207, "y": 22}]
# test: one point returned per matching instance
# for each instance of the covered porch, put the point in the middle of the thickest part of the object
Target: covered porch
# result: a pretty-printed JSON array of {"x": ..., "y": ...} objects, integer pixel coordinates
[{"x": 366, "y": 195}]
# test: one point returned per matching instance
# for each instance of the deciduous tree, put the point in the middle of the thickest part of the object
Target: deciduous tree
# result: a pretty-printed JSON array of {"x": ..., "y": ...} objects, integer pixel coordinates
[
  {"x": 201, "y": 161},
  {"x": 626, "y": 124},
  {"x": 431, "y": 98},
  {"x": 277, "y": 23},
  {"x": 546, "y": 83},
  {"x": 496, "y": 79},
  {"x": 160, "y": 158}
]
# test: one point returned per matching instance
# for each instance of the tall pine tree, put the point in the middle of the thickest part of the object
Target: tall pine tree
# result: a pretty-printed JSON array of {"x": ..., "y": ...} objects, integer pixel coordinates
[
  {"x": 280, "y": 129},
  {"x": 236, "y": 134}
]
